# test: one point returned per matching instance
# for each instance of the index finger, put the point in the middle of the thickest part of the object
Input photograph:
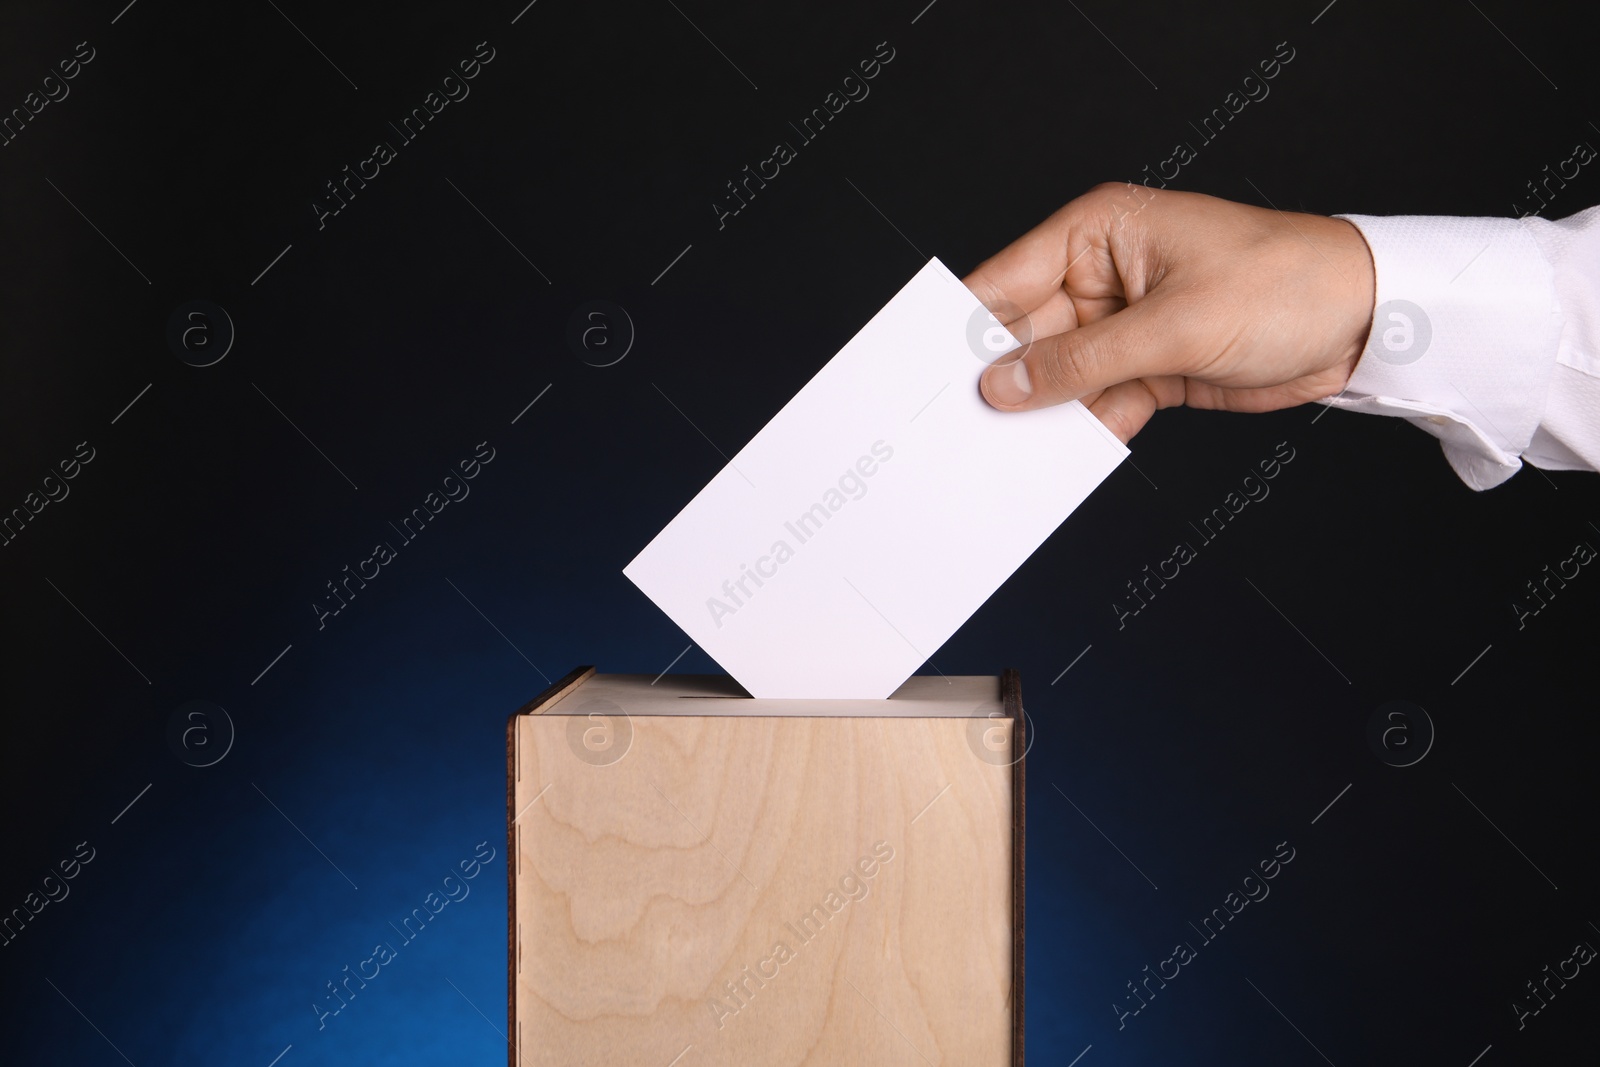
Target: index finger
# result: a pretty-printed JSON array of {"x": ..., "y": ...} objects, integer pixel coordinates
[{"x": 1026, "y": 273}]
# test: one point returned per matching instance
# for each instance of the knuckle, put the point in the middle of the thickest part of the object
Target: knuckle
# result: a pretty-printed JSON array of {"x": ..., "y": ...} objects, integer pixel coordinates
[
  {"x": 1124, "y": 193},
  {"x": 1115, "y": 420},
  {"x": 984, "y": 288},
  {"x": 1059, "y": 369}
]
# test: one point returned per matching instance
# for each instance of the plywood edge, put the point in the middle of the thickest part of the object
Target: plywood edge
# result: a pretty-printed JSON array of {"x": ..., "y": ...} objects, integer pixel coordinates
[
  {"x": 641, "y": 695},
  {"x": 552, "y": 693},
  {"x": 555, "y": 691},
  {"x": 1011, "y": 700},
  {"x": 511, "y": 889}
]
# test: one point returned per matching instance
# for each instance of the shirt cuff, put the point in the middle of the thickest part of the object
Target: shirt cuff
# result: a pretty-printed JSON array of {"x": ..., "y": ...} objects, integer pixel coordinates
[{"x": 1464, "y": 336}]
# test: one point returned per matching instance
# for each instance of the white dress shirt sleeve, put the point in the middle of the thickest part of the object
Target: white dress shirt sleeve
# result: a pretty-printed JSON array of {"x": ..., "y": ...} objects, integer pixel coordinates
[{"x": 1486, "y": 334}]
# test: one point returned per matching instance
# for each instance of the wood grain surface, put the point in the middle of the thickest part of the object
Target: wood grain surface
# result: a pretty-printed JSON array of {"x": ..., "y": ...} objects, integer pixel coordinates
[{"x": 731, "y": 889}]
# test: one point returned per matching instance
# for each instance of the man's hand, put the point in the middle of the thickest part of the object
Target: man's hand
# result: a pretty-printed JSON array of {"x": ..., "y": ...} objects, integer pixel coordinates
[{"x": 1132, "y": 299}]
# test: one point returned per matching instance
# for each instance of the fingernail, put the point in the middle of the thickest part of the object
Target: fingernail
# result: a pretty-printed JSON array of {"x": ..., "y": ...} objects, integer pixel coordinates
[{"x": 1008, "y": 386}]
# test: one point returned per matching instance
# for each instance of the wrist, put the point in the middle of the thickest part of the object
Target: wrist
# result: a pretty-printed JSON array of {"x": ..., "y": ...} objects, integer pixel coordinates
[{"x": 1358, "y": 293}]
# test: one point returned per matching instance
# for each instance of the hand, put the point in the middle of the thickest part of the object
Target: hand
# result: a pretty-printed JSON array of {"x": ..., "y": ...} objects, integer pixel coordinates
[{"x": 1132, "y": 299}]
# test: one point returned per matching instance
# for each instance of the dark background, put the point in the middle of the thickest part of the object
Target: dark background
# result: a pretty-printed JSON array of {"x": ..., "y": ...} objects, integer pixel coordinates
[{"x": 408, "y": 330}]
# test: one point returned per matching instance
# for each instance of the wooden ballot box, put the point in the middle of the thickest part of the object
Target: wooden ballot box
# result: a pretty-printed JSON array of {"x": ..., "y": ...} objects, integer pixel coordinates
[{"x": 699, "y": 877}]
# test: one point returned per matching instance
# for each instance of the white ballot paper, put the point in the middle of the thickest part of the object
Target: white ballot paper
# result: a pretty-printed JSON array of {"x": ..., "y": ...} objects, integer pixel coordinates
[{"x": 877, "y": 511}]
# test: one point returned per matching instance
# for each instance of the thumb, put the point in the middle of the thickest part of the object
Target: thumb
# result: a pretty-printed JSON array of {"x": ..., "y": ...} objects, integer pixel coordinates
[{"x": 1145, "y": 339}]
